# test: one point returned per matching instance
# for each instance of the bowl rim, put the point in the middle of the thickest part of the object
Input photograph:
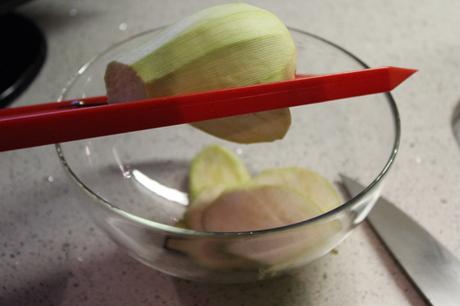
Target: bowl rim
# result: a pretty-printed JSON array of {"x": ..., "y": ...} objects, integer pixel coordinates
[{"x": 170, "y": 229}]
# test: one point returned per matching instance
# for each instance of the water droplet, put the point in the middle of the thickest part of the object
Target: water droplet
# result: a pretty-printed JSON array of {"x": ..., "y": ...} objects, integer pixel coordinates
[
  {"x": 73, "y": 12},
  {"x": 123, "y": 26},
  {"x": 50, "y": 179},
  {"x": 239, "y": 151}
]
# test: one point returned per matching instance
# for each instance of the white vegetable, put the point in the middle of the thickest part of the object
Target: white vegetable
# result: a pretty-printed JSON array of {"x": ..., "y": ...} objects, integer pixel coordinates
[
  {"x": 306, "y": 182},
  {"x": 256, "y": 208}
]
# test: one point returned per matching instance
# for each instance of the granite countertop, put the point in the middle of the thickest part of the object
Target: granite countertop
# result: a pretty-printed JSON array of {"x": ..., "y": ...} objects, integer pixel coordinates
[{"x": 51, "y": 253}]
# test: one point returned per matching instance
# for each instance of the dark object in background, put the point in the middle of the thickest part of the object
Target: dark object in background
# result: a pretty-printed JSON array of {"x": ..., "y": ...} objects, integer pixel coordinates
[{"x": 22, "y": 53}]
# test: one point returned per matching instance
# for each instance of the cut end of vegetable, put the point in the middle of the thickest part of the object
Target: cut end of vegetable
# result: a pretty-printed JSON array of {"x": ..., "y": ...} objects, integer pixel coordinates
[{"x": 123, "y": 83}]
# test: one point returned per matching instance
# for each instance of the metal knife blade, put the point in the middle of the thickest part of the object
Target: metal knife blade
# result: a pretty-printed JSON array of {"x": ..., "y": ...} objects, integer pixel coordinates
[{"x": 432, "y": 268}]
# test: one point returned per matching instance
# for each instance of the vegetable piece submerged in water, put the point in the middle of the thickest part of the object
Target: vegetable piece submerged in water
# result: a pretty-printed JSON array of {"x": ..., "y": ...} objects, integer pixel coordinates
[
  {"x": 212, "y": 171},
  {"x": 257, "y": 208},
  {"x": 224, "y": 46},
  {"x": 225, "y": 199},
  {"x": 306, "y": 182},
  {"x": 215, "y": 167}
]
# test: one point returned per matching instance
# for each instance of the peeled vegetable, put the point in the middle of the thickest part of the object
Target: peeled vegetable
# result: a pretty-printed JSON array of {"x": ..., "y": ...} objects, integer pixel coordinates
[
  {"x": 257, "y": 208},
  {"x": 287, "y": 249},
  {"x": 210, "y": 254},
  {"x": 306, "y": 182},
  {"x": 225, "y": 199},
  {"x": 193, "y": 217},
  {"x": 229, "y": 45},
  {"x": 215, "y": 167},
  {"x": 212, "y": 171}
]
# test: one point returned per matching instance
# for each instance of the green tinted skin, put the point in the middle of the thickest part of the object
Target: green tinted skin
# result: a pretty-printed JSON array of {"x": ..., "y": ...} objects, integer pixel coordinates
[
  {"x": 228, "y": 46},
  {"x": 215, "y": 167}
]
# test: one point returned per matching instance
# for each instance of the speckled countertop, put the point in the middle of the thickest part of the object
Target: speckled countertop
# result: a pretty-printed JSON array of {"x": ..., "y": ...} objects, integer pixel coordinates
[{"x": 51, "y": 254}]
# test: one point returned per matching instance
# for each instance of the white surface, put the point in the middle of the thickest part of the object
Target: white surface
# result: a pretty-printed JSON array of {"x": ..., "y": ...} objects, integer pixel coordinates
[{"x": 50, "y": 253}]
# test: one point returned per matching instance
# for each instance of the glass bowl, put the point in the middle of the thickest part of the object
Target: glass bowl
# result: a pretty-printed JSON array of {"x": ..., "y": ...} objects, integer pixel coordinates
[{"x": 133, "y": 185}]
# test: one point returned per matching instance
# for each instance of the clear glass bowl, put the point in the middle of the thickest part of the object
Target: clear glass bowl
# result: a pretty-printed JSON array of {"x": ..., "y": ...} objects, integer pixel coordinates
[{"x": 134, "y": 185}]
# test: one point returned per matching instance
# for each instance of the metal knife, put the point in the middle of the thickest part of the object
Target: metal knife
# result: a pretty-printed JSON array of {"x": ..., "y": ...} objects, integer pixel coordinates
[{"x": 432, "y": 268}]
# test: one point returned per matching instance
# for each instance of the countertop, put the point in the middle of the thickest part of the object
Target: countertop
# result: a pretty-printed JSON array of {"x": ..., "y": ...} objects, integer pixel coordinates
[{"x": 52, "y": 254}]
